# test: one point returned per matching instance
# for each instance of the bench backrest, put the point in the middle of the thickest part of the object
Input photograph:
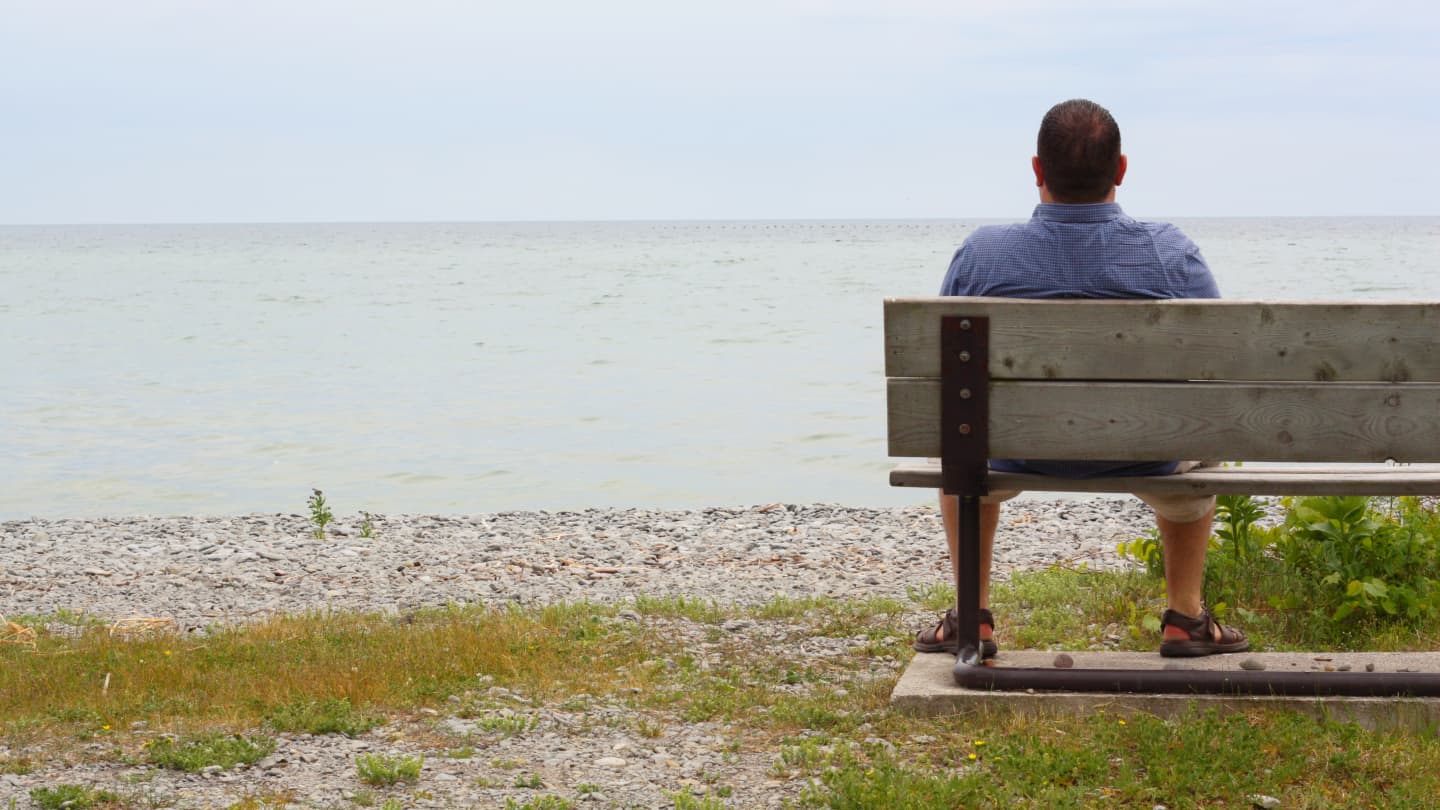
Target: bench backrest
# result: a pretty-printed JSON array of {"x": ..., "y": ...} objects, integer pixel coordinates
[{"x": 1156, "y": 380}]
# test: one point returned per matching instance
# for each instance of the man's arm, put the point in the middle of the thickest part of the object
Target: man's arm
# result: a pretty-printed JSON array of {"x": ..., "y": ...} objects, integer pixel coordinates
[{"x": 1201, "y": 281}]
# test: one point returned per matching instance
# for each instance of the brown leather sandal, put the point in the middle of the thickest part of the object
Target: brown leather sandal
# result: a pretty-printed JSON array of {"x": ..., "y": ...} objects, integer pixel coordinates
[
  {"x": 949, "y": 627},
  {"x": 1202, "y": 637}
]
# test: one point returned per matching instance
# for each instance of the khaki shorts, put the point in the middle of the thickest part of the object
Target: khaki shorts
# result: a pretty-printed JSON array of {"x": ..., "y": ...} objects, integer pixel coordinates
[{"x": 1176, "y": 508}]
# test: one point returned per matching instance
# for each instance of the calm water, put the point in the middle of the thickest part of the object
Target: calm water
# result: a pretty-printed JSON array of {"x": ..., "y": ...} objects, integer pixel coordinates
[{"x": 484, "y": 367}]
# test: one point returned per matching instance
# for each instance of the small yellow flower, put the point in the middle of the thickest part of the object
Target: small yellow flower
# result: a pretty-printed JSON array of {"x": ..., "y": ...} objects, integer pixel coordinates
[
  {"x": 1122, "y": 722},
  {"x": 972, "y": 757},
  {"x": 105, "y": 728},
  {"x": 167, "y": 652},
  {"x": 979, "y": 743}
]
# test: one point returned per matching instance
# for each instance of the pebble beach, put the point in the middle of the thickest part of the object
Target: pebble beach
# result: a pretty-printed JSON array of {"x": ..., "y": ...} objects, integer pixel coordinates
[{"x": 198, "y": 572}]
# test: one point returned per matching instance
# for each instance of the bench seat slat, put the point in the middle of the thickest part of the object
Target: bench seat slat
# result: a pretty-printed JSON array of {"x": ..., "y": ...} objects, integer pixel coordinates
[
  {"x": 1296, "y": 422},
  {"x": 1166, "y": 340},
  {"x": 1418, "y": 479}
]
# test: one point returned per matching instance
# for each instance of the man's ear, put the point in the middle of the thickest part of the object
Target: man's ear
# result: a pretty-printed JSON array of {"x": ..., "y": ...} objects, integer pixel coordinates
[
  {"x": 1120, "y": 174},
  {"x": 1040, "y": 173}
]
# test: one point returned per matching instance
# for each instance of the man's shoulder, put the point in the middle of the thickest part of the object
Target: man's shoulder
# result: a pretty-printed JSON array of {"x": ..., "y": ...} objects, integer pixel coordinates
[
  {"x": 1160, "y": 230},
  {"x": 1001, "y": 236},
  {"x": 1004, "y": 230}
]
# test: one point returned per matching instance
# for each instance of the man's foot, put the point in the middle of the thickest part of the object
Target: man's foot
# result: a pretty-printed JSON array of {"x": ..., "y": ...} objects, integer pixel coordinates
[
  {"x": 943, "y": 636},
  {"x": 1191, "y": 636}
]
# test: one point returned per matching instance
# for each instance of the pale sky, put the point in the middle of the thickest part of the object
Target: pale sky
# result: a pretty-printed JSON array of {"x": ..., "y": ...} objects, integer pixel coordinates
[{"x": 350, "y": 110}]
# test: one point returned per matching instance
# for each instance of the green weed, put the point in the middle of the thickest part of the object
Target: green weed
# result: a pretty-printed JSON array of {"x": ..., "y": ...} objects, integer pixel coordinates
[
  {"x": 383, "y": 769},
  {"x": 510, "y": 726},
  {"x": 1363, "y": 563},
  {"x": 320, "y": 514},
  {"x": 689, "y": 801},
  {"x": 193, "y": 754},
  {"x": 334, "y": 716},
  {"x": 17, "y": 765},
  {"x": 705, "y": 611},
  {"x": 72, "y": 797},
  {"x": 1146, "y": 551},
  {"x": 540, "y": 803}
]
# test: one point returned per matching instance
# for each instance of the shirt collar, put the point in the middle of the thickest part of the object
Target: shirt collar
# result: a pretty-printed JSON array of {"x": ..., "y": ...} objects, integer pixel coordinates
[{"x": 1086, "y": 212}]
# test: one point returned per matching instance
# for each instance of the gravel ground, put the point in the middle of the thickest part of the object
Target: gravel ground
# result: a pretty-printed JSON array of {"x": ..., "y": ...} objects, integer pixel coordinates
[{"x": 205, "y": 570}]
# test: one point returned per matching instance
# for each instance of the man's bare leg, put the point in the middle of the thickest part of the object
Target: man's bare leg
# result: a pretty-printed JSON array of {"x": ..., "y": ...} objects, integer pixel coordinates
[
  {"x": 989, "y": 520},
  {"x": 1185, "y": 545}
]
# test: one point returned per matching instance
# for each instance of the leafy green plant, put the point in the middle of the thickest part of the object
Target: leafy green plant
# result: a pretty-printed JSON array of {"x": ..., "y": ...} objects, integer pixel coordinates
[
  {"x": 320, "y": 514},
  {"x": 322, "y": 717},
  {"x": 197, "y": 753},
  {"x": 1360, "y": 563},
  {"x": 72, "y": 797},
  {"x": 1240, "y": 563},
  {"x": 1146, "y": 551},
  {"x": 367, "y": 525},
  {"x": 1236, "y": 515},
  {"x": 382, "y": 769}
]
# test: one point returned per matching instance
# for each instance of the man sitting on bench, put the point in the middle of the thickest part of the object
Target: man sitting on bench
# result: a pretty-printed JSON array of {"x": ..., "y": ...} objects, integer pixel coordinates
[{"x": 1079, "y": 244}]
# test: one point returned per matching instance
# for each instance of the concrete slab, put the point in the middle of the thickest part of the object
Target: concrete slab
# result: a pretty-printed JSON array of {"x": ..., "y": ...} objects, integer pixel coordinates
[{"x": 927, "y": 688}]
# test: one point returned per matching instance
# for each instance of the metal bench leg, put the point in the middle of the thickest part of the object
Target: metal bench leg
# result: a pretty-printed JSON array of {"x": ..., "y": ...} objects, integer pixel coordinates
[{"x": 967, "y": 581}]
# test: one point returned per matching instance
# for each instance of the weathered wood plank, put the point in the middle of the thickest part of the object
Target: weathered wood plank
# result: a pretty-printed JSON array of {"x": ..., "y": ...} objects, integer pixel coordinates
[
  {"x": 1315, "y": 480},
  {"x": 1330, "y": 422},
  {"x": 1188, "y": 339}
]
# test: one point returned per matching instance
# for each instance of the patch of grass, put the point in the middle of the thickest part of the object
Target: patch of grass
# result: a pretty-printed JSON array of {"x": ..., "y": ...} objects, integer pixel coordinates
[
  {"x": 18, "y": 765},
  {"x": 506, "y": 726},
  {"x": 689, "y": 801},
  {"x": 1200, "y": 760},
  {"x": 335, "y": 716},
  {"x": 192, "y": 754},
  {"x": 529, "y": 780},
  {"x": 704, "y": 611},
  {"x": 931, "y": 596},
  {"x": 384, "y": 769},
  {"x": 649, "y": 728},
  {"x": 261, "y": 801},
  {"x": 300, "y": 672},
  {"x": 1069, "y": 608},
  {"x": 547, "y": 802},
  {"x": 73, "y": 797}
]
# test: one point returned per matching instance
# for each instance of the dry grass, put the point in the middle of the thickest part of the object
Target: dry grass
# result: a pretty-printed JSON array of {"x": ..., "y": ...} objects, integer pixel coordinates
[
  {"x": 15, "y": 633},
  {"x": 144, "y": 670}
]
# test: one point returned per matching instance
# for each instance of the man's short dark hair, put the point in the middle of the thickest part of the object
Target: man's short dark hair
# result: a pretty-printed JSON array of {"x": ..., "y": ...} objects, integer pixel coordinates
[{"x": 1079, "y": 150}]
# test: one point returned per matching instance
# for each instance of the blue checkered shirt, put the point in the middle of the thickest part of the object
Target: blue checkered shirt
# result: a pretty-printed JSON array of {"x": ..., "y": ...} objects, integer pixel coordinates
[{"x": 1080, "y": 251}]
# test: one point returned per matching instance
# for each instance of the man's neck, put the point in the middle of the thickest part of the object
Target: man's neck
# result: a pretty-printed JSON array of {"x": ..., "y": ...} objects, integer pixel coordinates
[{"x": 1047, "y": 197}]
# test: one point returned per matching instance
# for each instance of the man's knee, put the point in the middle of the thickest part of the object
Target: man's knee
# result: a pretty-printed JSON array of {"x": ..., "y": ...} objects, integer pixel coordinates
[{"x": 1180, "y": 508}]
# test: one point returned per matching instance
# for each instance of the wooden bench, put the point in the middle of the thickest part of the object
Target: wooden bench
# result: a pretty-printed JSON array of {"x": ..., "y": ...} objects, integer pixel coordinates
[{"x": 1333, "y": 390}]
